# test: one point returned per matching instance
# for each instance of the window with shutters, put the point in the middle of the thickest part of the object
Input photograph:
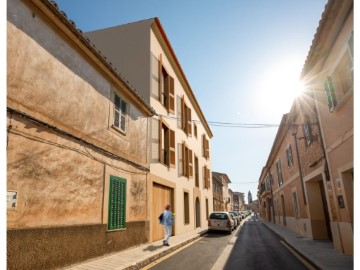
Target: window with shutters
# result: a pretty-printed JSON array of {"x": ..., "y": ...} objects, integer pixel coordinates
[
  {"x": 120, "y": 113},
  {"x": 186, "y": 208},
  {"x": 289, "y": 156},
  {"x": 206, "y": 174},
  {"x": 186, "y": 123},
  {"x": 117, "y": 203},
  {"x": 341, "y": 80},
  {"x": 166, "y": 144},
  {"x": 187, "y": 161},
  {"x": 205, "y": 147},
  {"x": 279, "y": 172},
  {"x": 166, "y": 88}
]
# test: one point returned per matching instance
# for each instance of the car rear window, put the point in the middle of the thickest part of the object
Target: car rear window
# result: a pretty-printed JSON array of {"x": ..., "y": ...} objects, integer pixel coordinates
[{"x": 218, "y": 216}]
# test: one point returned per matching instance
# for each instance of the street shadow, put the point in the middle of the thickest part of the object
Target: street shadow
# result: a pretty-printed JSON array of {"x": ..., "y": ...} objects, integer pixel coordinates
[
  {"x": 152, "y": 248},
  {"x": 216, "y": 234}
]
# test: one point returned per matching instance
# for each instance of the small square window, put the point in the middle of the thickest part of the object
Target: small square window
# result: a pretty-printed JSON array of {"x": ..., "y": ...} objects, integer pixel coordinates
[{"x": 120, "y": 113}]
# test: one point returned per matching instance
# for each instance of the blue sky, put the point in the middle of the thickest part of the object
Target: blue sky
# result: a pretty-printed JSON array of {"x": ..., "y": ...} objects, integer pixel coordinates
[{"x": 241, "y": 58}]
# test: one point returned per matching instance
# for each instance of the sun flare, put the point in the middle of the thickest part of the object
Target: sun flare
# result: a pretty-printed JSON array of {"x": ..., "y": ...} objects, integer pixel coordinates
[{"x": 279, "y": 86}]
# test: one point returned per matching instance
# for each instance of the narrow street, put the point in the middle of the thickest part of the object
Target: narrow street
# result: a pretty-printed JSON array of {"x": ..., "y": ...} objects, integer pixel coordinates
[
  {"x": 202, "y": 254},
  {"x": 256, "y": 248},
  {"x": 259, "y": 248}
]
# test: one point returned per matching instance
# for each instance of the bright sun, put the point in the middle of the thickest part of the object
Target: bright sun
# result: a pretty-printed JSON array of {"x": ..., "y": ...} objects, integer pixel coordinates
[{"x": 279, "y": 86}]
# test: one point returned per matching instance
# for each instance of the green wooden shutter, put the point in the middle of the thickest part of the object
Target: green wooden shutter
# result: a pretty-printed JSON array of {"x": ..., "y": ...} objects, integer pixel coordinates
[
  {"x": 330, "y": 92},
  {"x": 117, "y": 203}
]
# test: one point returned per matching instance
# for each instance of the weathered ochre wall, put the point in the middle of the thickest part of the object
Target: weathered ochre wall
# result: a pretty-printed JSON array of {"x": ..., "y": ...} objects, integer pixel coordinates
[
  {"x": 54, "y": 247},
  {"x": 62, "y": 150}
]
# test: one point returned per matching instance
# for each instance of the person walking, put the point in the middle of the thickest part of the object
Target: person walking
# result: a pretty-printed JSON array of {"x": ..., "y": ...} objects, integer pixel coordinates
[{"x": 167, "y": 221}]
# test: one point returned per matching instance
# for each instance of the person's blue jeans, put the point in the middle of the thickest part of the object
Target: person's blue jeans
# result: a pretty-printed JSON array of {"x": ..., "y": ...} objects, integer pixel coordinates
[{"x": 168, "y": 231}]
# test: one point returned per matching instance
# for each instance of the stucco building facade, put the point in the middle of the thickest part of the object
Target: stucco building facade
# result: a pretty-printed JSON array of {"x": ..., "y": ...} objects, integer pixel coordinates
[
  {"x": 313, "y": 193},
  {"x": 77, "y": 144},
  {"x": 328, "y": 74},
  {"x": 180, "y": 162}
]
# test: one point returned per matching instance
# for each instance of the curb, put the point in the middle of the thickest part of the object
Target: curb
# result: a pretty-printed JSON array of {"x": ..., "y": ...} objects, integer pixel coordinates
[{"x": 143, "y": 262}]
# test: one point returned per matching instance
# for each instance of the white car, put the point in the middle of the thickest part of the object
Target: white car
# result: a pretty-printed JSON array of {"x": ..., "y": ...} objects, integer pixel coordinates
[{"x": 221, "y": 221}]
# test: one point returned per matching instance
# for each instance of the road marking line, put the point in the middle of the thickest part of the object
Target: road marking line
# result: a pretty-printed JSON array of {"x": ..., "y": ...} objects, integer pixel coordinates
[
  {"x": 297, "y": 255},
  {"x": 168, "y": 255}
]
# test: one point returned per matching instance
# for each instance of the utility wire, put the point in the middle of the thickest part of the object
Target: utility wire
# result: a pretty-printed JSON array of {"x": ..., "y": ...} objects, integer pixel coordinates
[{"x": 226, "y": 124}]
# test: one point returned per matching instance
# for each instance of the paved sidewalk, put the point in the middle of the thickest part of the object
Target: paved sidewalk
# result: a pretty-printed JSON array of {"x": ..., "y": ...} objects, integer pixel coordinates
[
  {"x": 138, "y": 257},
  {"x": 320, "y": 253}
]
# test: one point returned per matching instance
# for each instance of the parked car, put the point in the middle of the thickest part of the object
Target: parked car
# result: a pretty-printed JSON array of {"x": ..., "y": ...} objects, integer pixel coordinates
[
  {"x": 221, "y": 221},
  {"x": 236, "y": 223},
  {"x": 243, "y": 215},
  {"x": 237, "y": 216}
]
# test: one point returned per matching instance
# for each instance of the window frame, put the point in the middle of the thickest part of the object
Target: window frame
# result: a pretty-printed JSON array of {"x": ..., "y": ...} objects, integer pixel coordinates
[
  {"x": 166, "y": 88},
  {"x": 166, "y": 140},
  {"x": 187, "y": 159},
  {"x": 335, "y": 83},
  {"x": 122, "y": 115}
]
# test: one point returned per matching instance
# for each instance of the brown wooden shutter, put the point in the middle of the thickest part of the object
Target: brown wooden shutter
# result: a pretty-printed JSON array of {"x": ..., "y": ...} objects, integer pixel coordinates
[
  {"x": 204, "y": 176},
  {"x": 208, "y": 178},
  {"x": 207, "y": 148},
  {"x": 189, "y": 132},
  {"x": 190, "y": 163},
  {"x": 160, "y": 141},
  {"x": 204, "y": 145},
  {"x": 171, "y": 96},
  {"x": 160, "y": 77},
  {"x": 172, "y": 147},
  {"x": 183, "y": 112},
  {"x": 183, "y": 159}
]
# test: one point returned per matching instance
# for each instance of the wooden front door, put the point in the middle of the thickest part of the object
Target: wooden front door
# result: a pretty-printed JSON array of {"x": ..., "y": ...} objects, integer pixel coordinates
[{"x": 162, "y": 196}]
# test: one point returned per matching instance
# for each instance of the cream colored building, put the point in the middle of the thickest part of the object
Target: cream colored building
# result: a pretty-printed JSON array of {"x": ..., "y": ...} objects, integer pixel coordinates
[
  {"x": 328, "y": 74},
  {"x": 180, "y": 162},
  {"x": 77, "y": 144}
]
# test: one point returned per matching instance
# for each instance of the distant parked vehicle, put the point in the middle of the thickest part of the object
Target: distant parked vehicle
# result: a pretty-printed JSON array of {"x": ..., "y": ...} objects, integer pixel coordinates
[
  {"x": 237, "y": 216},
  {"x": 221, "y": 221},
  {"x": 242, "y": 216},
  {"x": 236, "y": 223}
]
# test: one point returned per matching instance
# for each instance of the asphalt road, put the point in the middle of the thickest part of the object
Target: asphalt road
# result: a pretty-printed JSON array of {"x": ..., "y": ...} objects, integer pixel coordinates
[
  {"x": 257, "y": 247},
  {"x": 200, "y": 255}
]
